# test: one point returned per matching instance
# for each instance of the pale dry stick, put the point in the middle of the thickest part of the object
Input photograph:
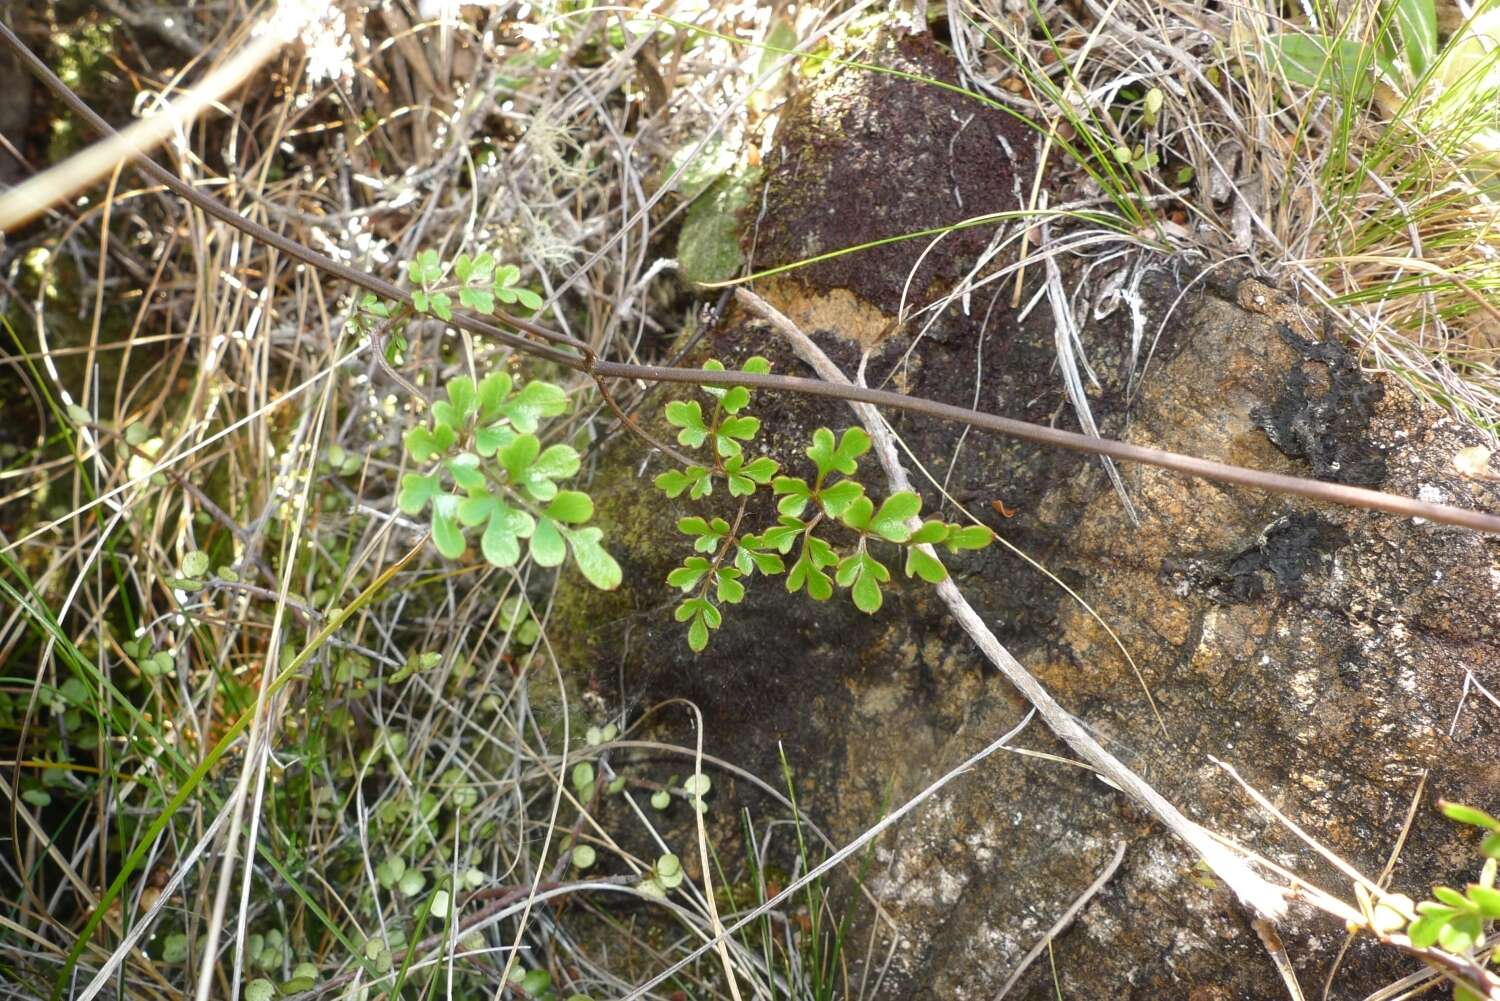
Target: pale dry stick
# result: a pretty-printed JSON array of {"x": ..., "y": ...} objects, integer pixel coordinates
[
  {"x": 257, "y": 750},
  {"x": 721, "y": 945},
  {"x": 1263, "y": 898},
  {"x": 559, "y": 790},
  {"x": 24, "y": 201},
  {"x": 127, "y": 945},
  {"x": 1276, "y": 949},
  {"x": 1046, "y": 150},
  {"x": 1070, "y": 358},
  {"x": 1344, "y": 867},
  {"x": 1066, "y": 919},
  {"x": 1385, "y": 874}
]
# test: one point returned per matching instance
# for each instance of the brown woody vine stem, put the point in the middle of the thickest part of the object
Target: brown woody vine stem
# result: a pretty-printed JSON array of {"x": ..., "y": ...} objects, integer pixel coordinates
[{"x": 574, "y": 354}]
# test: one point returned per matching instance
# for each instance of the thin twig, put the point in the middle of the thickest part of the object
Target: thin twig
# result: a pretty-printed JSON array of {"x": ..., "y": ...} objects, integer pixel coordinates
[
  {"x": 1260, "y": 896},
  {"x": 560, "y": 348},
  {"x": 1066, "y": 919}
]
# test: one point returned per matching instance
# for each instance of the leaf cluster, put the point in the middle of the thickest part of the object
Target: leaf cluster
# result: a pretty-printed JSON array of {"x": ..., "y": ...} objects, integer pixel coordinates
[
  {"x": 487, "y": 469},
  {"x": 800, "y": 544},
  {"x": 474, "y": 283},
  {"x": 479, "y": 285}
]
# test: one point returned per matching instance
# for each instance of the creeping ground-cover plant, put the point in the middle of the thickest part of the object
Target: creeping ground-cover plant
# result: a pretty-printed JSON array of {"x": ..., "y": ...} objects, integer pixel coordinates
[
  {"x": 827, "y": 529},
  {"x": 486, "y": 469}
]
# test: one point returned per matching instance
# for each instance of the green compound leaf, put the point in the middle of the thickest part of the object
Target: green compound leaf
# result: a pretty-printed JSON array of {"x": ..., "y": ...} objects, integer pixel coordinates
[
  {"x": 1460, "y": 934},
  {"x": 424, "y": 445},
  {"x": 858, "y": 514},
  {"x": 557, "y": 462},
  {"x": 535, "y": 401},
  {"x": 518, "y": 455},
  {"x": 491, "y": 393},
  {"x": 795, "y": 494},
  {"x": 419, "y": 301},
  {"x": 687, "y": 576},
  {"x": 805, "y": 573},
  {"x": 930, "y": 532},
  {"x": 478, "y": 299},
  {"x": 695, "y": 479},
  {"x": 744, "y": 477},
  {"x": 863, "y": 574},
  {"x": 442, "y": 306},
  {"x": 488, "y": 441},
  {"x": 840, "y": 459},
  {"x": 527, "y": 298},
  {"x": 425, "y": 268},
  {"x": 593, "y": 560},
  {"x": 751, "y": 554},
  {"x": 446, "y": 418},
  {"x": 732, "y": 431},
  {"x": 925, "y": 565},
  {"x": 500, "y": 541},
  {"x": 572, "y": 507},
  {"x": 968, "y": 537},
  {"x": 736, "y": 398},
  {"x": 708, "y": 534},
  {"x": 1424, "y": 931},
  {"x": 463, "y": 396},
  {"x": 687, "y": 415},
  {"x": 672, "y": 483},
  {"x": 822, "y": 553},
  {"x": 890, "y": 521},
  {"x": 446, "y": 534},
  {"x": 416, "y": 491},
  {"x": 547, "y": 546},
  {"x": 504, "y": 527},
  {"x": 727, "y": 586},
  {"x": 466, "y": 473},
  {"x": 704, "y": 617},
  {"x": 781, "y": 536},
  {"x": 838, "y": 498}
]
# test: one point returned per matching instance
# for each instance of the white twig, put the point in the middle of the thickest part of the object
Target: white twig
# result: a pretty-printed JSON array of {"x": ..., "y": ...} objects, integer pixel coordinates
[
  {"x": 1066, "y": 919},
  {"x": 1263, "y": 898}
]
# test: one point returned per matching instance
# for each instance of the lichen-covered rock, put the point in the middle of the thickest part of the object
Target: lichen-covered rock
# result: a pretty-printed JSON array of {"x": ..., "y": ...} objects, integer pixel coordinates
[
  {"x": 1322, "y": 652},
  {"x": 1328, "y": 667}
]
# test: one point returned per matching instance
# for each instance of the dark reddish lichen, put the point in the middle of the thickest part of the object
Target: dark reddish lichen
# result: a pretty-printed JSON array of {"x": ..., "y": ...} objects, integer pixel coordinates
[{"x": 866, "y": 156}]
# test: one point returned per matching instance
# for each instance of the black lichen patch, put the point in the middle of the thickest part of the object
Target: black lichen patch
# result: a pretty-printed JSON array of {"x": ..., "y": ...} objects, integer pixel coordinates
[
  {"x": 1331, "y": 428},
  {"x": 868, "y": 156},
  {"x": 1289, "y": 549}
]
